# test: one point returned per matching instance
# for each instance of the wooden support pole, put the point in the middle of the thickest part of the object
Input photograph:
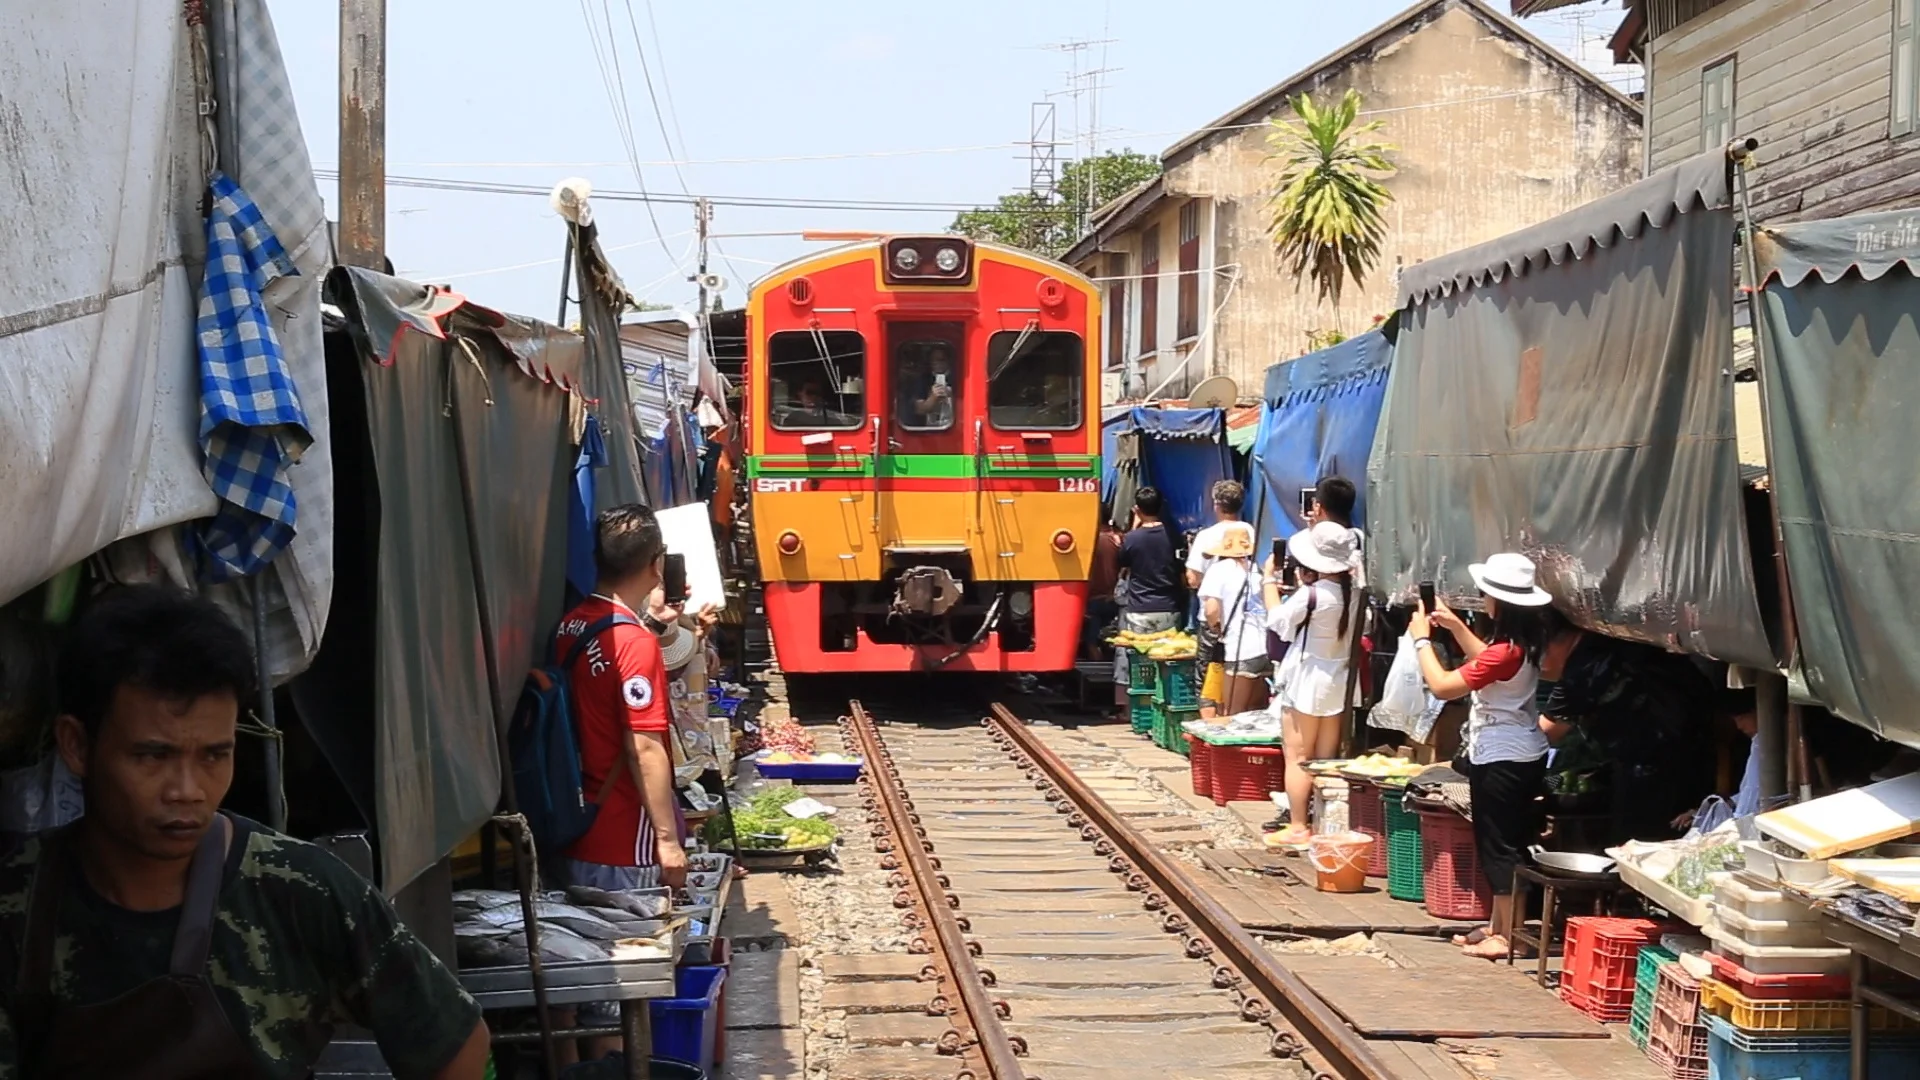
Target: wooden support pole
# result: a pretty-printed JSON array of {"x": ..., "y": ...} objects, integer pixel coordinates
[{"x": 363, "y": 133}]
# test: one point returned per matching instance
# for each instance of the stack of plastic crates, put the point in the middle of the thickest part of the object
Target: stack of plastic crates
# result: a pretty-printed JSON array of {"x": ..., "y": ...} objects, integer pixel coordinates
[
  {"x": 1450, "y": 868},
  {"x": 1142, "y": 681},
  {"x": 1735, "y": 1054},
  {"x": 1645, "y": 979},
  {"x": 1677, "y": 1040},
  {"x": 1763, "y": 1016},
  {"x": 1405, "y": 875},
  {"x": 1601, "y": 963},
  {"x": 1177, "y": 685},
  {"x": 1247, "y": 773},
  {"x": 1366, "y": 814},
  {"x": 1169, "y": 729}
]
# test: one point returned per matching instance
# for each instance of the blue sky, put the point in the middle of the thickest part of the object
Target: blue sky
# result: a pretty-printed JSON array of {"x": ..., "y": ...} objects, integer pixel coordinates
[{"x": 888, "y": 102}]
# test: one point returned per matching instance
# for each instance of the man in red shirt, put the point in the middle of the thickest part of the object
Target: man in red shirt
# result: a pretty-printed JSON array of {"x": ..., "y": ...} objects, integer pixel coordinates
[{"x": 621, "y": 707}]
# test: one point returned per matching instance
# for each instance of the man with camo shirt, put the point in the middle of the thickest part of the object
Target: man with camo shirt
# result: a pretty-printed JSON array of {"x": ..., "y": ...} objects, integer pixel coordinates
[{"x": 158, "y": 938}]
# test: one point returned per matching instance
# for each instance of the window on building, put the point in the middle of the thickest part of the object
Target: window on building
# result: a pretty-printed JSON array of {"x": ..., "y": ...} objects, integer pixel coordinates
[
  {"x": 1150, "y": 289},
  {"x": 1035, "y": 380},
  {"x": 817, "y": 380},
  {"x": 1716, "y": 105},
  {"x": 1906, "y": 55},
  {"x": 1116, "y": 310},
  {"x": 1188, "y": 308}
]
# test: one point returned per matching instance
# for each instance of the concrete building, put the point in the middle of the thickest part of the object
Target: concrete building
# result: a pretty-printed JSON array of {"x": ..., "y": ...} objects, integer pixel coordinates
[
  {"x": 1828, "y": 87},
  {"x": 1494, "y": 129}
]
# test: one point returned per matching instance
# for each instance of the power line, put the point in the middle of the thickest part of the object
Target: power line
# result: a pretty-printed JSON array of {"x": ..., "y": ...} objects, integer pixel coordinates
[{"x": 484, "y": 187}]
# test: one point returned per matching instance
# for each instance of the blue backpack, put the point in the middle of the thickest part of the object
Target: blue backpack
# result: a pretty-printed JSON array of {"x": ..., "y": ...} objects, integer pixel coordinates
[{"x": 545, "y": 745}]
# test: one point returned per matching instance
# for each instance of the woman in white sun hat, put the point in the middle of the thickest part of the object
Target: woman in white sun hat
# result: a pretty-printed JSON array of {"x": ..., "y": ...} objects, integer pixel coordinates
[
  {"x": 1505, "y": 753},
  {"x": 1317, "y": 620}
]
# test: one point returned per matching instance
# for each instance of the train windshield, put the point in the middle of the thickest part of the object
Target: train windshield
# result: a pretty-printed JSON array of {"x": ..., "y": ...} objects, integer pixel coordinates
[
  {"x": 1036, "y": 380},
  {"x": 817, "y": 379},
  {"x": 926, "y": 375}
]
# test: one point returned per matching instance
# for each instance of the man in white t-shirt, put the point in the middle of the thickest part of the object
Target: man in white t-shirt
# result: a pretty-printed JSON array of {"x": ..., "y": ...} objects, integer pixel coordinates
[{"x": 1229, "y": 498}]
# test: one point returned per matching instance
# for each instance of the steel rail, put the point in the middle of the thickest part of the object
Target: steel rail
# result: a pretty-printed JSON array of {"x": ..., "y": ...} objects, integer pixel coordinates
[
  {"x": 1323, "y": 1040},
  {"x": 976, "y": 1027}
]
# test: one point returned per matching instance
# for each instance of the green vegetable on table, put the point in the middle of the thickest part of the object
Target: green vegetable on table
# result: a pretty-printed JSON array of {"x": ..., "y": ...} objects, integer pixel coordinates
[
  {"x": 762, "y": 824},
  {"x": 1690, "y": 874}
]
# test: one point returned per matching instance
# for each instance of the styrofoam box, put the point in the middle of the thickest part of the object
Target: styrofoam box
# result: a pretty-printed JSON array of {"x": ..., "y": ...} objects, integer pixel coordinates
[
  {"x": 1803, "y": 933},
  {"x": 1769, "y": 905},
  {"x": 1779, "y": 960}
]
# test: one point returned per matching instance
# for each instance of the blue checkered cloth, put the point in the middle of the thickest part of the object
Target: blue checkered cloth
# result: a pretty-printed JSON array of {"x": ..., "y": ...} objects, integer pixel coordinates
[{"x": 251, "y": 424}]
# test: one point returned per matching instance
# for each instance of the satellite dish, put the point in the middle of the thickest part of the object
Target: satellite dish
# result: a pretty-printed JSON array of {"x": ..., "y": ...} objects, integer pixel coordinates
[
  {"x": 711, "y": 282},
  {"x": 569, "y": 200},
  {"x": 1218, "y": 392}
]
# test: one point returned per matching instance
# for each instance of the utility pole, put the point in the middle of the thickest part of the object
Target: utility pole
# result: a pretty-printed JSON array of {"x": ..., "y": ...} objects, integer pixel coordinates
[
  {"x": 363, "y": 133},
  {"x": 702, "y": 219}
]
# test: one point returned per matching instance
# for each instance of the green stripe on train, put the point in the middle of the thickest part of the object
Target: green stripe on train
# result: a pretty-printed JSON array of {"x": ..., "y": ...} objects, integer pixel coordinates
[{"x": 920, "y": 466}]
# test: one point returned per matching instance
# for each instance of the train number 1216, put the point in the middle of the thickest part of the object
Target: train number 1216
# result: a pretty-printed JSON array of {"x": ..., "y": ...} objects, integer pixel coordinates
[{"x": 1080, "y": 484}]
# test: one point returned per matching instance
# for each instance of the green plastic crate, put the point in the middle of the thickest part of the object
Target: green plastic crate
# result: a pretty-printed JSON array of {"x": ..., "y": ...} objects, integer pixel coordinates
[
  {"x": 1141, "y": 712},
  {"x": 1167, "y": 728},
  {"x": 1178, "y": 684},
  {"x": 1143, "y": 675},
  {"x": 1406, "y": 879},
  {"x": 1646, "y": 978}
]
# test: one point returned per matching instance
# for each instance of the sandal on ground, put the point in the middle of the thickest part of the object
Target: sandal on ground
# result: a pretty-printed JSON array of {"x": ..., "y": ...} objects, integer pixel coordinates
[
  {"x": 1291, "y": 836},
  {"x": 1493, "y": 947},
  {"x": 1472, "y": 937}
]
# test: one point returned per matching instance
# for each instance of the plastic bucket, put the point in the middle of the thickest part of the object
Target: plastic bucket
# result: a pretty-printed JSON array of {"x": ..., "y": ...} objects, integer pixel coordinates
[{"x": 1340, "y": 861}]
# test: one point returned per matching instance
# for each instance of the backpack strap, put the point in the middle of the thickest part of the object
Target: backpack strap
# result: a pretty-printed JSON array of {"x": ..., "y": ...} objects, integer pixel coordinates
[{"x": 595, "y": 629}]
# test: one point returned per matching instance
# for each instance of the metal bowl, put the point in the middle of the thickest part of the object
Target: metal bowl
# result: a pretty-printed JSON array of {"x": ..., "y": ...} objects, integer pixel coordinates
[{"x": 1573, "y": 862}]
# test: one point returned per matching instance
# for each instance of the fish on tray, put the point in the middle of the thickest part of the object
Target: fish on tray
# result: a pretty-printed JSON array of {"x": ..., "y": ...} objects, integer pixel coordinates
[
  {"x": 646, "y": 905},
  {"x": 579, "y": 921}
]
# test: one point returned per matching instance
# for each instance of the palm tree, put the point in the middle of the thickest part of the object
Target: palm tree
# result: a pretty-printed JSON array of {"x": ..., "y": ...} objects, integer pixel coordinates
[{"x": 1328, "y": 209}]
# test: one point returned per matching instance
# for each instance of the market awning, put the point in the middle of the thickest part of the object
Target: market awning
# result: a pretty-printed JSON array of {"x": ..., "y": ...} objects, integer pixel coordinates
[
  {"x": 454, "y": 423},
  {"x": 1183, "y": 452},
  {"x": 1840, "y": 356},
  {"x": 1564, "y": 391},
  {"x": 1317, "y": 420}
]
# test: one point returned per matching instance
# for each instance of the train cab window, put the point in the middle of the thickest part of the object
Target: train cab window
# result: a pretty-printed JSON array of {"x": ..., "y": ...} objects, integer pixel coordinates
[
  {"x": 1036, "y": 380},
  {"x": 926, "y": 382},
  {"x": 817, "y": 380}
]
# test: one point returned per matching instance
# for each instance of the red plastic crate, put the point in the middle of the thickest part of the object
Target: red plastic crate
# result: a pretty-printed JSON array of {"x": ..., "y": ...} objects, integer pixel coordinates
[
  {"x": 1247, "y": 774},
  {"x": 1366, "y": 814},
  {"x": 1780, "y": 987},
  {"x": 1601, "y": 962},
  {"x": 1603, "y": 954},
  {"x": 1677, "y": 1036},
  {"x": 1450, "y": 868},
  {"x": 1200, "y": 765}
]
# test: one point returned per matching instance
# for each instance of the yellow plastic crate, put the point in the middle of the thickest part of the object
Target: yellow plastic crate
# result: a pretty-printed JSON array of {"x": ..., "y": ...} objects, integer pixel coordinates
[{"x": 1750, "y": 1014}]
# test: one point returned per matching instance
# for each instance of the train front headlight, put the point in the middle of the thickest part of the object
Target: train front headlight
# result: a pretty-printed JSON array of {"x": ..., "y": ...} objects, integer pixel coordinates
[
  {"x": 947, "y": 259},
  {"x": 1020, "y": 602},
  {"x": 906, "y": 259}
]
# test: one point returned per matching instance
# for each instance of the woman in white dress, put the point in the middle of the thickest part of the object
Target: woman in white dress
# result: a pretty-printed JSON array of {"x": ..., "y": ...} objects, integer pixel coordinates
[{"x": 1317, "y": 620}]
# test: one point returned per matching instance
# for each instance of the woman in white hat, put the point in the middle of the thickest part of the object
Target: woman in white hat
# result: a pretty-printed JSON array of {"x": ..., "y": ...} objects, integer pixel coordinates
[
  {"x": 1317, "y": 620},
  {"x": 1235, "y": 608},
  {"x": 1505, "y": 752}
]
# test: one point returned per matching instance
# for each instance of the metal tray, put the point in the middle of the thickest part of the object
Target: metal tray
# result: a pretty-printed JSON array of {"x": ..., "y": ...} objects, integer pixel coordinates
[
  {"x": 783, "y": 858},
  {"x": 574, "y": 982}
]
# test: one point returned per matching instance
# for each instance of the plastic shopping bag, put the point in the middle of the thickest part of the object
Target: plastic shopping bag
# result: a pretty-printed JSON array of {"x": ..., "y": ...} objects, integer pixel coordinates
[{"x": 1406, "y": 705}]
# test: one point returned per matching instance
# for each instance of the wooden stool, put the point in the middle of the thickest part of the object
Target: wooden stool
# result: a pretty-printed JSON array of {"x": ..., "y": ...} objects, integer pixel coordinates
[{"x": 1602, "y": 889}]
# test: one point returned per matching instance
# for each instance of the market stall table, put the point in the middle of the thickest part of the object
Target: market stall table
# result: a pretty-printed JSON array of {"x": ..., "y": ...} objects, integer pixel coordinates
[
  {"x": 632, "y": 983},
  {"x": 1872, "y": 945}
]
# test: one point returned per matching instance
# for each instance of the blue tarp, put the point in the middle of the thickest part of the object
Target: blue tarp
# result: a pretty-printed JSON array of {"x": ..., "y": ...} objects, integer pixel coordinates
[
  {"x": 1317, "y": 419},
  {"x": 1184, "y": 451}
]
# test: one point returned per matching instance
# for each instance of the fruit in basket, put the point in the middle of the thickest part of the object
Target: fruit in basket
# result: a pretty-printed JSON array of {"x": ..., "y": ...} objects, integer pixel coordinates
[
  {"x": 782, "y": 733},
  {"x": 1381, "y": 766}
]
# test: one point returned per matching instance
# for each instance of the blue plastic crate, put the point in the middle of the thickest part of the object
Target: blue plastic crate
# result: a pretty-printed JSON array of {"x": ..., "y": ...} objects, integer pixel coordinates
[
  {"x": 824, "y": 772},
  {"x": 1733, "y": 1054},
  {"x": 685, "y": 1025}
]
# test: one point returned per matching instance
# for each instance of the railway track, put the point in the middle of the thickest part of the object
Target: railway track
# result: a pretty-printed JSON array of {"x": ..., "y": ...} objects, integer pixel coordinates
[{"x": 1054, "y": 940}]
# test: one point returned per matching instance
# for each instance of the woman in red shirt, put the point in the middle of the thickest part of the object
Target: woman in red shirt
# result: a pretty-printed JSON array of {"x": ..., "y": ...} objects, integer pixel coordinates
[{"x": 1505, "y": 753}]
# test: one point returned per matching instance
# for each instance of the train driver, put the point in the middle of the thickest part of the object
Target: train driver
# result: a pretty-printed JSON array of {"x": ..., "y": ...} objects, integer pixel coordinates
[
  {"x": 928, "y": 393},
  {"x": 809, "y": 404}
]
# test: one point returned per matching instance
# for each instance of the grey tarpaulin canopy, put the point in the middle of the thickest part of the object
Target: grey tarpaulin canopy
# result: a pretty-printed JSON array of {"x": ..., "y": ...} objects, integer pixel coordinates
[
  {"x": 603, "y": 377},
  {"x": 454, "y": 427},
  {"x": 1565, "y": 391},
  {"x": 1841, "y": 356}
]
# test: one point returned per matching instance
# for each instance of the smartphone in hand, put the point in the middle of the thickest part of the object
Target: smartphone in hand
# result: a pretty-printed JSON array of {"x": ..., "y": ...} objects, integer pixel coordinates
[
  {"x": 1427, "y": 599},
  {"x": 673, "y": 580}
]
